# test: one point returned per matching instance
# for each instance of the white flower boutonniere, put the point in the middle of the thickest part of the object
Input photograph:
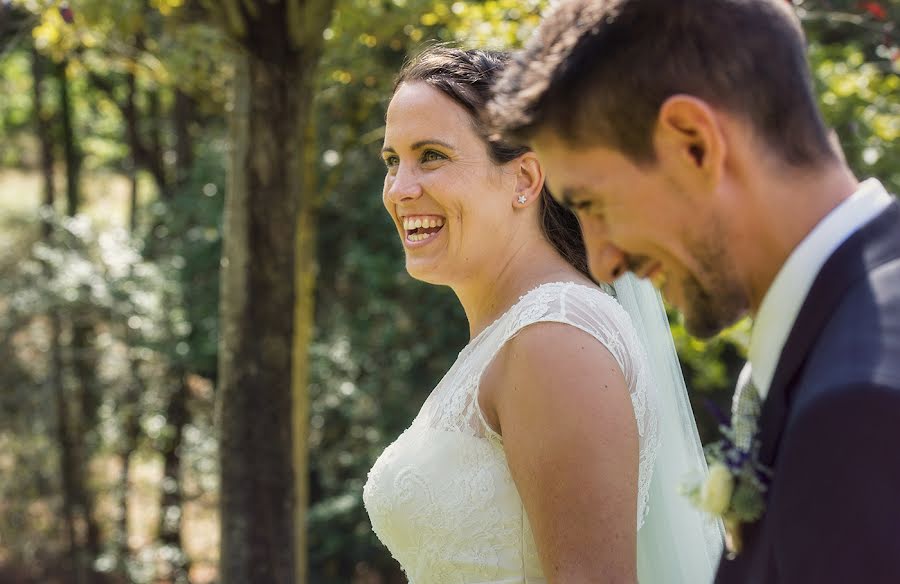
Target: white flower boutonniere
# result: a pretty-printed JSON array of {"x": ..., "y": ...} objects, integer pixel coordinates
[
  {"x": 736, "y": 485},
  {"x": 716, "y": 490}
]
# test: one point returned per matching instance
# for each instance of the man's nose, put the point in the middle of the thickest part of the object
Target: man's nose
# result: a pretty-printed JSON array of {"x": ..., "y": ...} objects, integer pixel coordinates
[{"x": 607, "y": 262}]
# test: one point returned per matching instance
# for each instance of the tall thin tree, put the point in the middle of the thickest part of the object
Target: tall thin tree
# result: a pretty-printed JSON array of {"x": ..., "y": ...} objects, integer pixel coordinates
[
  {"x": 268, "y": 232},
  {"x": 82, "y": 419}
]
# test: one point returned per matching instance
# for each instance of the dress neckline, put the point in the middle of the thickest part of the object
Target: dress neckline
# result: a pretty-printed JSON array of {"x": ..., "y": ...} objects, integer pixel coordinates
[{"x": 513, "y": 306}]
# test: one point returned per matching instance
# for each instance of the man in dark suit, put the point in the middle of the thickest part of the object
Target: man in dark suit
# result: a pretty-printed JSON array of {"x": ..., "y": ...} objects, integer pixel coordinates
[{"x": 686, "y": 136}]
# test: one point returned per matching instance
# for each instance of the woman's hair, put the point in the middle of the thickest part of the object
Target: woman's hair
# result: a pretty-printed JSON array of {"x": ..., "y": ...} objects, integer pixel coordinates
[{"x": 466, "y": 77}]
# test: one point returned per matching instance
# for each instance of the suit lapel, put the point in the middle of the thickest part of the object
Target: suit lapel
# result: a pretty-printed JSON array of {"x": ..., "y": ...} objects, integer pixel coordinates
[{"x": 875, "y": 243}]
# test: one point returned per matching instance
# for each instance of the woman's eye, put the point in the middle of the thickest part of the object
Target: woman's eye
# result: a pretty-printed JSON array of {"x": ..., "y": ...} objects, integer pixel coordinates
[
  {"x": 431, "y": 156},
  {"x": 391, "y": 161}
]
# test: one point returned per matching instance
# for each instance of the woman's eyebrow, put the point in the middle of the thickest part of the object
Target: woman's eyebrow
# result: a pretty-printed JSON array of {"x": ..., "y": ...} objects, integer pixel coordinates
[
  {"x": 431, "y": 142},
  {"x": 421, "y": 144}
]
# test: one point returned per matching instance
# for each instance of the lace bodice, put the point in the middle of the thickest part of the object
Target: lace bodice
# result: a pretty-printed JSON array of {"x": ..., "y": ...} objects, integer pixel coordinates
[{"x": 441, "y": 497}]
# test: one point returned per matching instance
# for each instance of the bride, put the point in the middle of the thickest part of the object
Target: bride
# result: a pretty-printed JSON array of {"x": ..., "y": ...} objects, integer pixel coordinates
[{"x": 552, "y": 449}]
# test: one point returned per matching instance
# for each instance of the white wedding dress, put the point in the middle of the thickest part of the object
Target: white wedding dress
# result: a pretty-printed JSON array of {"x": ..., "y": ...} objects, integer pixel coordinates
[{"x": 441, "y": 497}]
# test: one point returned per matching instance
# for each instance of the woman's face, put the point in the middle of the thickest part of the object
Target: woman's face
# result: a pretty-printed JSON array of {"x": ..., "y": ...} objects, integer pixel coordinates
[{"x": 451, "y": 204}]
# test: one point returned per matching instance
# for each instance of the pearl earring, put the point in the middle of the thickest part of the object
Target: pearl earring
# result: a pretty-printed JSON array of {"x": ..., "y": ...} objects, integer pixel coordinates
[{"x": 522, "y": 199}]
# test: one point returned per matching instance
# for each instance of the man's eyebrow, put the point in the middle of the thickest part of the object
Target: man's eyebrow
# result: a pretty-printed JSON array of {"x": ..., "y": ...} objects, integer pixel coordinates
[
  {"x": 568, "y": 196},
  {"x": 421, "y": 144},
  {"x": 577, "y": 198}
]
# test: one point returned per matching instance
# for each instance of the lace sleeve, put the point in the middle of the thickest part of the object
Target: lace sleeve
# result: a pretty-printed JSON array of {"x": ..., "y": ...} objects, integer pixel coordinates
[{"x": 600, "y": 315}]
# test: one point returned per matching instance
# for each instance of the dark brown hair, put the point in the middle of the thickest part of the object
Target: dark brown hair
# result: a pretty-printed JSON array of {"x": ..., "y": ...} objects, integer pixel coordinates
[
  {"x": 466, "y": 77},
  {"x": 597, "y": 71}
]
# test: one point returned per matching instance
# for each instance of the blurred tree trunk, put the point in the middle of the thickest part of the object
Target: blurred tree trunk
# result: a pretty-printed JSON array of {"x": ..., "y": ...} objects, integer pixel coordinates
[
  {"x": 268, "y": 221},
  {"x": 172, "y": 499},
  {"x": 84, "y": 362},
  {"x": 45, "y": 136},
  {"x": 55, "y": 366},
  {"x": 304, "y": 318},
  {"x": 81, "y": 421},
  {"x": 176, "y": 412},
  {"x": 68, "y": 462},
  {"x": 156, "y": 160},
  {"x": 70, "y": 147},
  {"x": 128, "y": 409},
  {"x": 147, "y": 155},
  {"x": 183, "y": 116},
  {"x": 129, "y": 413},
  {"x": 133, "y": 139}
]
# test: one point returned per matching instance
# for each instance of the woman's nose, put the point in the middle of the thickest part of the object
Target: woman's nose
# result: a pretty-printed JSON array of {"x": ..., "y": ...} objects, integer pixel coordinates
[{"x": 403, "y": 185}]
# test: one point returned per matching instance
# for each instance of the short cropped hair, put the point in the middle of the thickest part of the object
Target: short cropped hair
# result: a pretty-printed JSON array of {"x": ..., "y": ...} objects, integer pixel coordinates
[{"x": 596, "y": 72}]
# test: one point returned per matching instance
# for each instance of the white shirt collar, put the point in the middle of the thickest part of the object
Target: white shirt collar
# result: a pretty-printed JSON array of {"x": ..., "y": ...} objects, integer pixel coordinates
[{"x": 782, "y": 302}]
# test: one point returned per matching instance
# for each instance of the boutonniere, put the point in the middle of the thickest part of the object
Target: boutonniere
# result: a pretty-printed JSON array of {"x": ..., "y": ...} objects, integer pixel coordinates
[{"x": 736, "y": 485}]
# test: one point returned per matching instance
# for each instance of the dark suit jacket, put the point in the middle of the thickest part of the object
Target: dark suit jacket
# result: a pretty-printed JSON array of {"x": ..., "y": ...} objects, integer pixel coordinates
[{"x": 830, "y": 428}]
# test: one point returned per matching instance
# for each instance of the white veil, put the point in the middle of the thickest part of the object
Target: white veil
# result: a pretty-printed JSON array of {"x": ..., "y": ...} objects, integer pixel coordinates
[{"x": 677, "y": 543}]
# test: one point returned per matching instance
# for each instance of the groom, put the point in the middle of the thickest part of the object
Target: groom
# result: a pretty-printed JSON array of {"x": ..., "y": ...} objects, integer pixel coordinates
[{"x": 686, "y": 136}]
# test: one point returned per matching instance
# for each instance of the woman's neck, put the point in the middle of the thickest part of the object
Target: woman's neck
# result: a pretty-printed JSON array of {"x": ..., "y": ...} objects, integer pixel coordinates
[{"x": 487, "y": 297}]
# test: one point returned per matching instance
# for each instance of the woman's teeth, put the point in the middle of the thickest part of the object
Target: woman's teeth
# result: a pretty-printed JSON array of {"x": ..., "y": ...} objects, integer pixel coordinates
[
  {"x": 415, "y": 223},
  {"x": 422, "y": 228}
]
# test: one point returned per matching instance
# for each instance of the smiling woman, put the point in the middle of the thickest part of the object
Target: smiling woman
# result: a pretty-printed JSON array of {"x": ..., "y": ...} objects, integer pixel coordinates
[
  {"x": 554, "y": 382},
  {"x": 439, "y": 169},
  {"x": 435, "y": 145}
]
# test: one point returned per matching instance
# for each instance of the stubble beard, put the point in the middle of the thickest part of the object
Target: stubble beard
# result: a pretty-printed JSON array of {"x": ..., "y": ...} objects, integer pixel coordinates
[{"x": 717, "y": 302}]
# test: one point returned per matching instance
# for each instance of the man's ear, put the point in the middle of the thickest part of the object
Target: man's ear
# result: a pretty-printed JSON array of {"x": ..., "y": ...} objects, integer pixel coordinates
[
  {"x": 529, "y": 179},
  {"x": 689, "y": 140}
]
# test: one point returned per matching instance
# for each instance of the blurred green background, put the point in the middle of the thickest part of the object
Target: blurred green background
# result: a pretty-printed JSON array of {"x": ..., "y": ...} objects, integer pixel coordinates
[{"x": 114, "y": 142}]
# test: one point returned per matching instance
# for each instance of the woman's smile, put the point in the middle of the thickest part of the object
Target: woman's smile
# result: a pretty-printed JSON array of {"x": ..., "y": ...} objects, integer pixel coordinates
[{"x": 421, "y": 229}]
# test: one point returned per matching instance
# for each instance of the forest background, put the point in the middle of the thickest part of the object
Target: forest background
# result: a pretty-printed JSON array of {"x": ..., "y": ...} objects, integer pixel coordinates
[{"x": 207, "y": 334}]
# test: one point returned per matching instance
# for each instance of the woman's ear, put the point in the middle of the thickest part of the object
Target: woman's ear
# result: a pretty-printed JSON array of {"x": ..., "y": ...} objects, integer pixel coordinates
[{"x": 529, "y": 179}]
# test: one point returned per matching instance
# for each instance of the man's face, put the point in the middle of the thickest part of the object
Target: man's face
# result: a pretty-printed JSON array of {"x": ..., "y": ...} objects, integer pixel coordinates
[{"x": 642, "y": 218}]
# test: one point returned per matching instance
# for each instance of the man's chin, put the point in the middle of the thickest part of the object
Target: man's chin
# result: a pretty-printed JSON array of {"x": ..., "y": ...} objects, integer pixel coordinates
[
  {"x": 707, "y": 313},
  {"x": 706, "y": 322},
  {"x": 702, "y": 329}
]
